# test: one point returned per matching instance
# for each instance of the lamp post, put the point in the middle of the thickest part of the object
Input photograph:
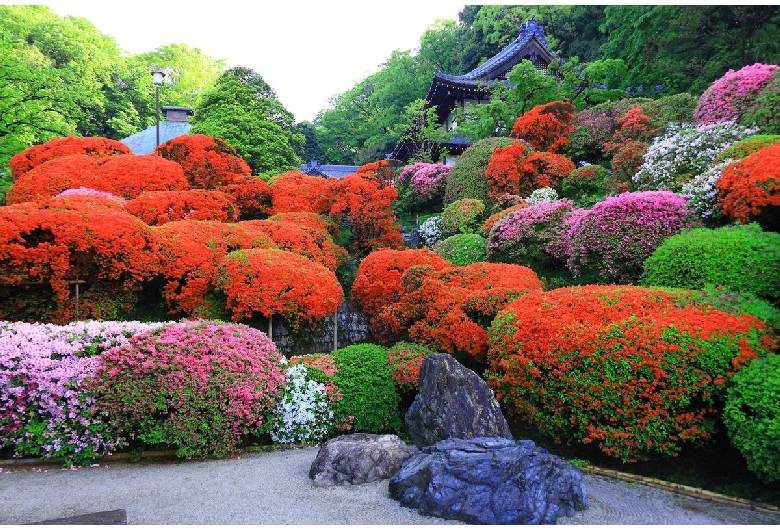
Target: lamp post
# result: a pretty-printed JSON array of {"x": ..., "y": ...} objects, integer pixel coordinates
[{"x": 157, "y": 78}]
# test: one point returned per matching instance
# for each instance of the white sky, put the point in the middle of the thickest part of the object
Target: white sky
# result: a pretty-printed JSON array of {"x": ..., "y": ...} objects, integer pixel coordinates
[{"x": 307, "y": 51}]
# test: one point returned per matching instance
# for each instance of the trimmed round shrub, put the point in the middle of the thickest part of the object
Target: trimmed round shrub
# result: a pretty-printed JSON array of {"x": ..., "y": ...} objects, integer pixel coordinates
[
  {"x": 627, "y": 369},
  {"x": 303, "y": 413},
  {"x": 545, "y": 194},
  {"x": 731, "y": 96},
  {"x": 463, "y": 249},
  {"x": 369, "y": 398},
  {"x": 463, "y": 216},
  {"x": 467, "y": 177},
  {"x": 207, "y": 162},
  {"x": 765, "y": 112},
  {"x": 587, "y": 185},
  {"x": 610, "y": 243},
  {"x": 426, "y": 182},
  {"x": 749, "y": 190},
  {"x": 741, "y": 258},
  {"x": 748, "y": 146},
  {"x": 198, "y": 386},
  {"x": 522, "y": 237},
  {"x": 430, "y": 231},
  {"x": 405, "y": 359},
  {"x": 752, "y": 416},
  {"x": 95, "y": 147},
  {"x": 488, "y": 225},
  {"x": 160, "y": 207}
]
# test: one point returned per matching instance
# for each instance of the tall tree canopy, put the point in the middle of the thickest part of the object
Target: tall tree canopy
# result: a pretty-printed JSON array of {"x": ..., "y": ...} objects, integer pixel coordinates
[{"x": 243, "y": 110}]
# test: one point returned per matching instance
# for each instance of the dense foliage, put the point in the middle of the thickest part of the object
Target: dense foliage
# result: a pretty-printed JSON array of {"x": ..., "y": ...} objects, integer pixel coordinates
[{"x": 467, "y": 177}]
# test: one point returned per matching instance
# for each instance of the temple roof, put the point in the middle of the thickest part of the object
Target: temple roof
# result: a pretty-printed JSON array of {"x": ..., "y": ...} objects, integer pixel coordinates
[{"x": 175, "y": 124}]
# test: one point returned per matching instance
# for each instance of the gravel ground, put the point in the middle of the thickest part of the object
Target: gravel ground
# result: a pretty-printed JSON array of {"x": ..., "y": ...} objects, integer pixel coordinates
[{"x": 274, "y": 488}]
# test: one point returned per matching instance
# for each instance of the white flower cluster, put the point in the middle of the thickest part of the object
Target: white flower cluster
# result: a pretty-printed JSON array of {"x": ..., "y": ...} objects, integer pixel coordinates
[
  {"x": 303, "y": 414},
  {"x": 684, "y": 152},
  {"x": 701, "y": 193},
  {"x": 545, "y": 194},
  {"x": 431, "y": 232}
]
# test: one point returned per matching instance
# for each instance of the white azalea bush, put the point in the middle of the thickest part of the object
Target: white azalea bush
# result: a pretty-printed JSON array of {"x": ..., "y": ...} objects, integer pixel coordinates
[
  {"x": 431, "y": 232},
  {"x": 701, "y": 193},
  {"x": 546, "y": 194},
  {"x": 685, "y": 152},
  {"x": 304, "y": 413}
]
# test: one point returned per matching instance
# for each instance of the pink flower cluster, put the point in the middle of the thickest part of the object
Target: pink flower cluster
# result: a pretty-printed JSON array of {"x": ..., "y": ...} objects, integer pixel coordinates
[
  {"x": 427, "y": 180},
  {"x": 539, "y": 222},
  {"x": 612, "y": 240},
  {"x": 729, "y": 97},
  {"x": 88, "y": 191}
]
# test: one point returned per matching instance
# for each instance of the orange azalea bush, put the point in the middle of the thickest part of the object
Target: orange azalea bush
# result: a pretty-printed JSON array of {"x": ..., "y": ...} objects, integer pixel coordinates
[
  {"x": 276, "y": 282},
  {"x": 160, "y": 207},
  {"x": 295, "y": 191},
  {"x": 749, "y": 187},
  {"x": 252, "y": 197},
  {"x": 378, "y": 279},
  {"x": 449, "y": 310},
  {"x": 515, "y": 170},
  {"x": 636, "y": 371},
  {"x": 308, "y": 242},
  {"x": 207, "y": 162},
  {"x": 405, "y": 359},
  {"x": 78, "y": 198},
  {"x": 54, "y": 176},
  {"x": 323, "y": 223},
  {"x": 381, "y": 170},
  {"x": 189, "y": 254},
  {"x": 546, "y": 127},
  {"x": 130, "y": 175},
  {"x": 43, "y": 247},
  {"x": 368, "y": 205},
  {"x": 96, "y": 147}
]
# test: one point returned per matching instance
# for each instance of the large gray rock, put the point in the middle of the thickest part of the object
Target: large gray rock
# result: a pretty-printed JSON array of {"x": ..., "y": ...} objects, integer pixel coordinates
[
  {"x": 489, "y": 481},
  {"x": 358, "y": 459},
  {"x": 453, "y": 402}
]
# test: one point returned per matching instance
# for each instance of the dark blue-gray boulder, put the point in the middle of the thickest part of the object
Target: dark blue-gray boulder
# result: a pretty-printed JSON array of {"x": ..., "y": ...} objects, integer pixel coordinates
[
  {"x": 489, "y": 481},
  {"x": 453, "y": 402}
]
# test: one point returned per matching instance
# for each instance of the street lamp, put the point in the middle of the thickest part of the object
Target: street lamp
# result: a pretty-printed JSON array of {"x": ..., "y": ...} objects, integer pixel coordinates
[{"x": 157, "y": 78}]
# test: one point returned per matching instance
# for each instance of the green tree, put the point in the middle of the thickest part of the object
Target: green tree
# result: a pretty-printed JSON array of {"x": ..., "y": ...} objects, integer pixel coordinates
[{"x": 243, "y": 110}]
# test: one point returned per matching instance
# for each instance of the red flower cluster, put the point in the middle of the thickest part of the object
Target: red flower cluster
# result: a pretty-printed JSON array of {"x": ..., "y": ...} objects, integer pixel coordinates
[
  {"x": 46, "y": 244},
  {"x": 546, "y": 127},
  {"x": 749, "y": 186},
  {"x": 275, "y": 282},
  {"x": 380, "y": 170},
  {"x": 36, "y": 155},
  {"x": 405, "y": 359},
  {"x": 208, "y": 162},
  {"x": 314, "y": 244},
  {"x": 252, "y": 197},
  {"x": 189, "y": 254},
  {"x": 160, "y": 207},
  {"x": 378, "y": 278},
  {"x": 313, "y": 220},
  {"x": 634, "y": 126},
  {"x": 450, "y": 309},
  {"x": 295, "y": 191},
  {"x": 54, "y": 176},
  {"x": 514, "y": 170},
  {"x": 635, "y": 370}
]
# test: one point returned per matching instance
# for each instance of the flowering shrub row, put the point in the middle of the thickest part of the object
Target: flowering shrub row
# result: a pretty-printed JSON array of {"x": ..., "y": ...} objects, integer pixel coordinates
[
  {"x": 160, "y": 207},
  {"x": 624, "y": 368},
  {"x": 36, "y": 155}
]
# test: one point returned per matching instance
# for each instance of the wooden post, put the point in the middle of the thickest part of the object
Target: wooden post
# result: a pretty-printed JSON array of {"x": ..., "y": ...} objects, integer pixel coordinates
[
  {"x": 336, "y": 330},
  {"x": 271, "y": 327},
  {"x": 77, "y": 301}
]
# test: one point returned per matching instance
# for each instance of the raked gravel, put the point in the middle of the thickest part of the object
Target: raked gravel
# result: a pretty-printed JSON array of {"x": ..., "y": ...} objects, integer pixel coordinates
[{"x": 274, "y": 488}]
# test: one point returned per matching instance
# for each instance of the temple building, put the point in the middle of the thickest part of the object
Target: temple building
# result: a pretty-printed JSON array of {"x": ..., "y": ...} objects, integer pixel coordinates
[
  {"x": 175, "y": 124},
  {"x": 449, "y": 92}
]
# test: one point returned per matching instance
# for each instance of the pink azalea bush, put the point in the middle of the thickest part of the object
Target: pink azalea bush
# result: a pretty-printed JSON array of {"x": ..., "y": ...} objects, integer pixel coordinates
[
  {"x": 46, "y": 409},
  {"x": 198, "y": 386},
  {"x": 609, "y": 243},
  {"x": 426, "y": 181},
  {"x": 729, "y": 97}
]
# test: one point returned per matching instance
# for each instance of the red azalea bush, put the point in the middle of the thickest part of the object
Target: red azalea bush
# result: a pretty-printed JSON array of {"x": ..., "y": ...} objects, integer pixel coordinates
[
  {"x": 449, "y": 310},
  {"x": 735, "y": 93},
  {"x": 189, "y": 254},
  {"x": 45, "y": 246},
  {"x": 634, "y": 125},
  {"x": 160, "y": 207},
  {"x": 405, "y": 359},
  {"x": 73, "y": 197},
  {"x": 54, "y": 176},
  {"x": 514, "y": 170},
  {"x": 130, "y": 175},
  {"x": 252, "y": 197},
  {"x": 610, "y": 242},
  {"x": 276, "y": 282},
  {"x": 96, "y": 147},
  {"x": 295, "y": 191},
  {"x": 322, "y": 223},
  {"x": 751, "y": 186},
  {"x": 308, "y": 242},
  {"x": 380, "y": 170},
  {"x": 368, "y": 205},
  {"x": 627, "y": 159},
  {"x": 546, "y": 127},
  {"x": 626, "y": 368},
  {"x": 378, "y": 278},
  {"x": 207, "y": 162},
  {"x": 196, "y": 386}
]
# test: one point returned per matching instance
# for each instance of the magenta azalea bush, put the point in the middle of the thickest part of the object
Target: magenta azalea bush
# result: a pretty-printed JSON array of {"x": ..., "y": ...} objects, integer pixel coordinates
[
  {"x": 731, "y": 96},
  {"x": 197, "y": 386},
  {"x": 426, "y": 180},
  {"x": 46, "y": 408},
  {"x": 609, "y": 243},
  {"x": 523, "y": 237}
]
